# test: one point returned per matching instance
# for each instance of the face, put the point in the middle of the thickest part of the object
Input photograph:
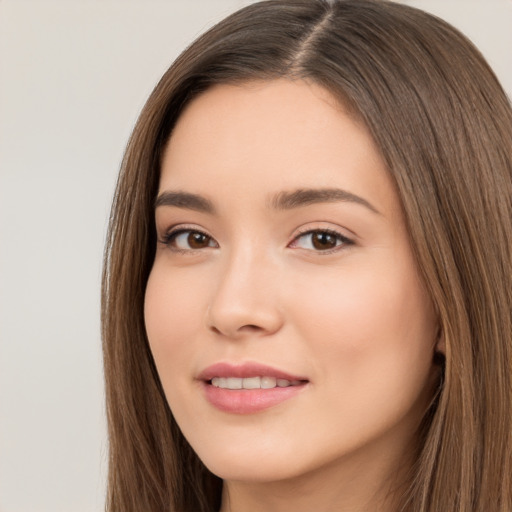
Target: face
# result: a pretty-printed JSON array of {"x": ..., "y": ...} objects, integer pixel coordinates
[{"x": 284, "y": 309}]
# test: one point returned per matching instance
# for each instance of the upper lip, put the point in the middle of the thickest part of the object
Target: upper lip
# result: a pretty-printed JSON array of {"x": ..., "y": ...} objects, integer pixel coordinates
[{"x": 244, "y": 370}]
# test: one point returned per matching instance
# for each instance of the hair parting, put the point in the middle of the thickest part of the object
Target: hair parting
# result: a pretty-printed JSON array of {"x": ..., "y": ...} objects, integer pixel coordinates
[{"x": 443, "y": 125}]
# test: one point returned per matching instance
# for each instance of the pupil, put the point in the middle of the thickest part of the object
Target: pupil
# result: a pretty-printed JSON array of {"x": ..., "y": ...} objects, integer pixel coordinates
[
  {"x": 323, "y": 241},
  {"x": 197, "y": 240}
]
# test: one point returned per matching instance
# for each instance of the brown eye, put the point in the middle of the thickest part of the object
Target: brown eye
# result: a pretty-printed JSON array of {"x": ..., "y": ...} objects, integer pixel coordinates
[
  {"x": 197, "y": 240},
  {"x": 189, "y": 240},
  {"x": 321, "y": 240}
]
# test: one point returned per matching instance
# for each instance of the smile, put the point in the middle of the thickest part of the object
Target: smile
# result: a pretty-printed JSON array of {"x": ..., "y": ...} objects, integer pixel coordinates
[
  {"x": 248, "y": 387},
  {"x": 252, "y": 382}
]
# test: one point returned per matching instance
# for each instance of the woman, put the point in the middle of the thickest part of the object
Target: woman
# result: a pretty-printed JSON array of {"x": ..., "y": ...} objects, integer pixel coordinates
[{"x": 307, "y": 288}]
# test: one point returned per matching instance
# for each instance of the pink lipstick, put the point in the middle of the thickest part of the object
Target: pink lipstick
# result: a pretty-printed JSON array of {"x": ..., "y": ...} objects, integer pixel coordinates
[{"x": 248, "y": 388}]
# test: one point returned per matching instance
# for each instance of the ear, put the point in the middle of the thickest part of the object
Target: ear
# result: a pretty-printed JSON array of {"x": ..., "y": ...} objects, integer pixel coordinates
[{"x": 440, "y": 347}]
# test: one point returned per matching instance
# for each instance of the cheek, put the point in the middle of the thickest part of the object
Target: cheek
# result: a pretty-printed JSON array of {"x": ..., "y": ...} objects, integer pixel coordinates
[
  {"x": 173, "y": 313},
  {"x": 373, "y": 328}
]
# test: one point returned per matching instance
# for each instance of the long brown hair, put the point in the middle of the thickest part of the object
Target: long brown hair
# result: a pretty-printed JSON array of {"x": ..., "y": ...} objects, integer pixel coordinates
[{"x": 444, "y": 128}]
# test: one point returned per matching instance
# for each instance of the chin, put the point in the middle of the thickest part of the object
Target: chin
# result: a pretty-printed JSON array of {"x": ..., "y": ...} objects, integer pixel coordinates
[
  {"x": 250, "y": 466},
  {"x": 256, "y": 472}
]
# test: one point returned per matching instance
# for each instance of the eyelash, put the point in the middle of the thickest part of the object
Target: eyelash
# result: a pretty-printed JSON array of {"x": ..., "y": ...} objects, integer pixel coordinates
[
  {"x": 341, "y": 241},
  {"x": 169, "y": 238}
]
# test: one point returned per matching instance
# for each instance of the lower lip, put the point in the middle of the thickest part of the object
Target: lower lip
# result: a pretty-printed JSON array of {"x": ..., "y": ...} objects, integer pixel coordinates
[{"x": 248, "y": 401}]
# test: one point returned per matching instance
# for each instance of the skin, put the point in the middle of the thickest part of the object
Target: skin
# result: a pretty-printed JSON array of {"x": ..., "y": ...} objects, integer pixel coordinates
[{"x": 353, "y": 318}]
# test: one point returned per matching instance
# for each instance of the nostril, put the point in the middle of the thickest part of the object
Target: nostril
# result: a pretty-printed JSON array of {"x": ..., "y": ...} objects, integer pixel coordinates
[{"x": 248, "y": 328}]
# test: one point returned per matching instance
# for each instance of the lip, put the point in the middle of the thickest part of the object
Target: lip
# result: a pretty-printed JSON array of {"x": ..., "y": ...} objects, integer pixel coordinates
[
  {"x": 247, "y": 401},
  {"x": 244, "y": 370}
]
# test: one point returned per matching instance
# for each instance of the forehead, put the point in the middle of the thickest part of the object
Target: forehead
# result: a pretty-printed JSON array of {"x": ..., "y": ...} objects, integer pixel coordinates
[{"x": 269, "y": 137}]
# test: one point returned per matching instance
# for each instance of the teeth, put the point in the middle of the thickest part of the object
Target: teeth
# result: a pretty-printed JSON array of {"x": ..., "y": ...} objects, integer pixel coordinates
[
  {"x": 233, "y": 383},
  {"x": 252, "y": 383},
  {"x": 268, "y": 382}
]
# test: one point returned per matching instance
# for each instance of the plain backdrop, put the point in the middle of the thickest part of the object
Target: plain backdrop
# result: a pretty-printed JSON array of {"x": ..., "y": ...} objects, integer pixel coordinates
[{"x": 73, "y": 77}]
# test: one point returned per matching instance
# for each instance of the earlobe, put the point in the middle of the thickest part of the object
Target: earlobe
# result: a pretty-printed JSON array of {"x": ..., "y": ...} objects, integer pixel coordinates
[
  {"x": 440, "y": 347},
  {"x": 439, "y": 358}
]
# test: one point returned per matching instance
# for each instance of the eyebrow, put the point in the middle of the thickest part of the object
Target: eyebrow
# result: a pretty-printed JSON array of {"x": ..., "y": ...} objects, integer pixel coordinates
[
  {"x": 281, "y": 201},
  {"x": 304, "y": 197},
  {"x": 185, "y": 200}
]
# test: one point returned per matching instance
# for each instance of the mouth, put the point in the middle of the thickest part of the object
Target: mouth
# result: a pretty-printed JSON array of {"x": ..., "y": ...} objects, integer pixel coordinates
[
  {"x": 248, "y": 388},
  {"x": 253, "y": 382}
]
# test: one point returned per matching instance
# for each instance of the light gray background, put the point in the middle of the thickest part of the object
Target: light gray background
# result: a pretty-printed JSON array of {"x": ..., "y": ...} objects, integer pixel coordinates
[{"x": 73, "y": 77}]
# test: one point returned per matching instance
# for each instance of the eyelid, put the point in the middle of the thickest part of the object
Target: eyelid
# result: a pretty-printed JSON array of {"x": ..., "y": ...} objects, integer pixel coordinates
[
  {"x": 173, "y": 232},
  {"x": 345, "y": 240}
]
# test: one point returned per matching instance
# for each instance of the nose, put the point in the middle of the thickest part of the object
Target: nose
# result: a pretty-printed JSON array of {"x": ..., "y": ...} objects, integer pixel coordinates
[{"x": 246, "y": 300}]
